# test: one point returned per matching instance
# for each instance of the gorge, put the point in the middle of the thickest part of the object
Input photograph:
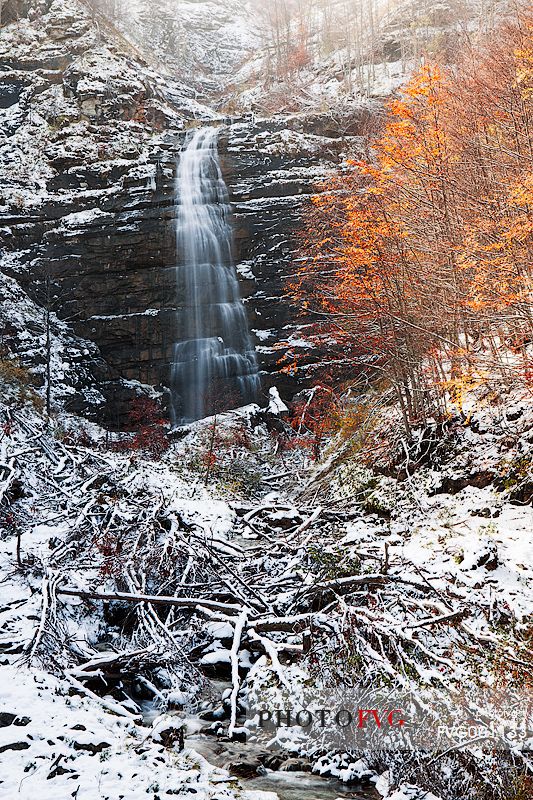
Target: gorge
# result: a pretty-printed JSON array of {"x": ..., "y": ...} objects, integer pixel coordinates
[
  {"x": 266, "y": 418},
  {"x": 104, "y": 217}
]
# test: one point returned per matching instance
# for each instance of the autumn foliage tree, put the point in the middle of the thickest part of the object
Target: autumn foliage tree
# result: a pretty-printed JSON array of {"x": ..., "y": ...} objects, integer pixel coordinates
[
  {"x": 314, "y": 416},
  {"x": 147, "y": 427},
  {"x": 419, "y": 261}
]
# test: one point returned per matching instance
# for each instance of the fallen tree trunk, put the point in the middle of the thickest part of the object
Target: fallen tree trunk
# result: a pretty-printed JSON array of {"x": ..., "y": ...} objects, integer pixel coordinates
[
  {"x": 156, "y": 600},
  {"x": 342, "y": 586},
  {"x": 445, "y": 618}
]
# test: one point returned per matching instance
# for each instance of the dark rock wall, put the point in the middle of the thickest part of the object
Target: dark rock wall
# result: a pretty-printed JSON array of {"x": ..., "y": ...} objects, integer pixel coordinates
[
  {"x": 89, "y": 139},
  {"x": 273, "y": 167},
  {"x": 90, "y": 142},
  {"x": 108, "y": 250},
  {"x": 86, "y": 194},
  {"x": 110, "y": 277}
]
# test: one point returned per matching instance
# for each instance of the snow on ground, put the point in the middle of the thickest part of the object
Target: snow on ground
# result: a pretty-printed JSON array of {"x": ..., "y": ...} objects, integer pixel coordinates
[
  {"x": 84, "y": 511},
  {"x": 57, "y": 739},
  {"x": 454, "y": 538},
  {"x": 463, "y": 522},
  {"x": 62, "y": 745}
]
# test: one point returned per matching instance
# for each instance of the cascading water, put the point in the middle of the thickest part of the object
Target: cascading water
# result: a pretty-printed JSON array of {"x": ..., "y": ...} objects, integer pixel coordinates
[{"x": 214, "y": 363}]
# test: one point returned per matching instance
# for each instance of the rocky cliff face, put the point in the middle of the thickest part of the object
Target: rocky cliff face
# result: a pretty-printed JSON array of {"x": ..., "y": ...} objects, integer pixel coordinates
[
  {"x": 87, "y": 192},
  {"x": 92, "y": 137},
  {"x": 274, "y": 166}
]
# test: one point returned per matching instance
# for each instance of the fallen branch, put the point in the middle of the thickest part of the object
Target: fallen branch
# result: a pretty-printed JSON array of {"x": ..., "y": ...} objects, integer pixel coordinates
[
  {"x": 10, "y": 473},
  {"x": 156, "y": 600},
  {"x": 282, "y": 624},
  {"x": 42, "y": 623},
  {"x": 345, "y": 585},
  {"x": 456, "y": 615},
  {"x": 306, "y": 524},
  {"x": 237, "y": 635},
  {"x": 109, "y": 705}
]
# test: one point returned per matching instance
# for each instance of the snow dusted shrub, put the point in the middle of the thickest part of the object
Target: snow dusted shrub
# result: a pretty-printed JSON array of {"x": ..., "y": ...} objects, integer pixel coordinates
[
  {"x": 74, "y": 437},
  {"x": 240, "y": 478},
  {"x": 517, "y": 478},
  {"x": 483, "y": 775},
  {"x": 333, "y": 562},
  {"x": 315, "y": 417},
  {"x": 226, "y": 463},
  {"x": 234, "y": 438},
  {"x": 353, "y": 480},
  {"x": 146, "y": 423},
  {"x": 19, "y": 383},
  {"x": 522, "y": 788}
]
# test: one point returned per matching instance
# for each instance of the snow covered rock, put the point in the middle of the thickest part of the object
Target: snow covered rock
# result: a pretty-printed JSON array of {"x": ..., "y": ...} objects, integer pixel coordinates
[
  {"x": 276, "y": 404},
  {"x": 480, "y": 553}
]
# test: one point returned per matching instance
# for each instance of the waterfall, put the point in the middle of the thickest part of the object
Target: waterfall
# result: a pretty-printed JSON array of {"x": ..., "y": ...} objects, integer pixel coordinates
[{"x": 214, "y": 365}]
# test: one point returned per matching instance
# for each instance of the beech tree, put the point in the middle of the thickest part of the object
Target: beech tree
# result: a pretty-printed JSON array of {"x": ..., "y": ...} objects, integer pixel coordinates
[{"x": 419, "y": 260}]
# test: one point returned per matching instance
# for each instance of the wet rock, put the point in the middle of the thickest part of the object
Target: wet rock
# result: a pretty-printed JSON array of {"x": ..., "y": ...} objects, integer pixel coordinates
[
  {"x": 296, "y": 765},
  {"x": 142, "y": 691},
  {"x": 272, "y": 170},
  {"x": 7, "y": 719},
  {"x": 169, "y": 730},
  {"x": 239, "y": 735},
  {"x": 284, "y": 520},
  {"x": 273, "y": 761},
  {"x": 217, "y": 664},
  {"x": 213, "y": 714},
  {"x": 10, "y": 93},
  {"x": 216, "y": 729},
  {"x": 15, "y": 746},
  {"x": 245, "y": 767},
  {"x": 173, "y": 737}
]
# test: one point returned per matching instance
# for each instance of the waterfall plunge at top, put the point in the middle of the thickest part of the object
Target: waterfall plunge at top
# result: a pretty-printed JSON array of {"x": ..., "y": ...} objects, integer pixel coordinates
[{"x": 214, "y": 364}]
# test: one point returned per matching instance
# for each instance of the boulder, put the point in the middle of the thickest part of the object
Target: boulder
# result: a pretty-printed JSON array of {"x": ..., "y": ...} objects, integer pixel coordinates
[
  {"x": 7, "y": 719},
  {"x": 296, "y": 765},
  {"x": 245, "y": 767}
]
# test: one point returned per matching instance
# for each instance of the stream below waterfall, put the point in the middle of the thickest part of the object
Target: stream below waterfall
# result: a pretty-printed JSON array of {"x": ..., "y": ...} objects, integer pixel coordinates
[
  {"x": 223, "y": 753},
  {"x": 287, "y": 785},
  {"x": 297, "y": 785},
  {"x": 303, "y": 786}
]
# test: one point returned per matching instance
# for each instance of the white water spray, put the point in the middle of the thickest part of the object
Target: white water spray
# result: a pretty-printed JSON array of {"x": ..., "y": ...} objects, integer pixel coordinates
[{"x": 214, "y": 363}]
